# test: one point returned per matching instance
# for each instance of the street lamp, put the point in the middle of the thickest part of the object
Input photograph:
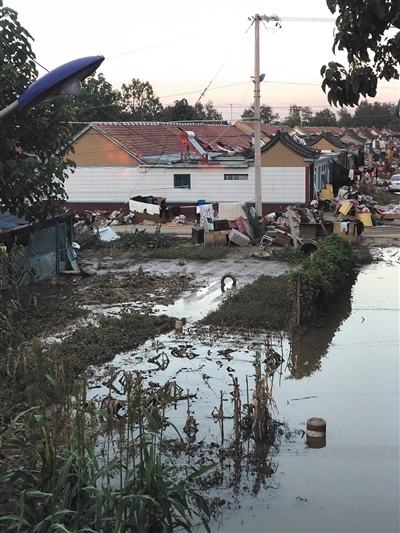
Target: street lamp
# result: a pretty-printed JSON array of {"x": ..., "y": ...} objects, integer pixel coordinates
[{"x": 65, "y": 79}]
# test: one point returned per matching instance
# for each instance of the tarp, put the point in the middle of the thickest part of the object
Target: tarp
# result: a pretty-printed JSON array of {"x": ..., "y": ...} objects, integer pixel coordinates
[{"x": 9, "y": 221}]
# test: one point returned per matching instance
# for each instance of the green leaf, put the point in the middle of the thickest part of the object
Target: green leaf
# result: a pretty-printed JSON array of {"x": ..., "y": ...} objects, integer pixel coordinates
[
  {"x": 55, "y": 384},
  {"x": 201, "y": 471}
]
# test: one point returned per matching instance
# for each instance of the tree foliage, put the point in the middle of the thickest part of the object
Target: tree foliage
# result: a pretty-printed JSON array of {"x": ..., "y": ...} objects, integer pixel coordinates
[
  {"x": 372, "y": 53},
  {"x": 267, "y": 115},
  {"x": 376, "y": 114},
  {"x": 345, "y": 118},
  {"x": 34, "y": 143},
  {"x": 139, "y": 101},
  {"x": 326, "y": 117},
  {"x": 181, "y": 110},
  {"x": 207, "y": 111},
  {"x": 98, "y": 101},
  {"x": 298, "y": 116}
]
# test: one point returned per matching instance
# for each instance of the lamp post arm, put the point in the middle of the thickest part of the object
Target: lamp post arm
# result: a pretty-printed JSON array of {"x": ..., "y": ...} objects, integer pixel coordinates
[{"x": 9, "y": 109}]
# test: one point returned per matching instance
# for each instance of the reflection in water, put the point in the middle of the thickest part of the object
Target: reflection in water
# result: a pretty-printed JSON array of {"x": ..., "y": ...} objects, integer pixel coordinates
[
  {"x": 248, "y": 436},
  {"x": 308, "y": 349},
  {"x": 359, "y": 457}
]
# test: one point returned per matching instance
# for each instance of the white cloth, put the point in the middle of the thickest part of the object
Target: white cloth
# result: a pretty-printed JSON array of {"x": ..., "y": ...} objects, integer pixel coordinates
[
  {"x": 140, "y": 207},
  {"x": 205, "y": 210},
  {"x": 232, "y": 211}
]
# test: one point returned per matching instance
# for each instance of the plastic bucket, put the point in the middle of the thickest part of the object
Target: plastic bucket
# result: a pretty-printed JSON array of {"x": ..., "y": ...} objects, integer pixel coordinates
[{"x": 365, "y": 218}]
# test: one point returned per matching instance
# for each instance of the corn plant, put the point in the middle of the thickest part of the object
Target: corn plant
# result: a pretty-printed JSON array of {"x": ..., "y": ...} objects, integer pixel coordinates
[{"x": 69, "y": 489}]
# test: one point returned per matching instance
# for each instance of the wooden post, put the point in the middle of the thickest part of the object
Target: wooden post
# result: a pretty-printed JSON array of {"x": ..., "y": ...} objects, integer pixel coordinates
[
  {"x": 221, "y": 411},
  {"x": 292, "y": 228},
  {"x": 323, "y": 227},
  {"x": 298, "y": 309}
]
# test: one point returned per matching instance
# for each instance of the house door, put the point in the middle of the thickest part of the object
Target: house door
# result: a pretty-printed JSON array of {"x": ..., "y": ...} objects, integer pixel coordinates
[{"x": 62, "y": 247}]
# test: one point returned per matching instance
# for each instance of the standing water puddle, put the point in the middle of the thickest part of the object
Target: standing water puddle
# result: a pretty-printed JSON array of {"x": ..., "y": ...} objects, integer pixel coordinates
[{"x": 346, "y": 373}]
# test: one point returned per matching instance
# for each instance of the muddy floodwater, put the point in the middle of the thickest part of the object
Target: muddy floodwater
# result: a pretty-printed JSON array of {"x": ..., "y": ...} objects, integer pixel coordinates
[{"x": 346, "y": 373}]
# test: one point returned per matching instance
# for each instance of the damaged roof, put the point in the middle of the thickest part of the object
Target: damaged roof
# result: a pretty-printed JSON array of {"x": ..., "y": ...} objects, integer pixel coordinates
[
  {"x": 287, "y": 141},
  {"x": 162, "y": 139}
]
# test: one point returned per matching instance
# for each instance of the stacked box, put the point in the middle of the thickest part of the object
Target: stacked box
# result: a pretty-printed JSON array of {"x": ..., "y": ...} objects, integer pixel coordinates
[{"x": 215, "y": 237}]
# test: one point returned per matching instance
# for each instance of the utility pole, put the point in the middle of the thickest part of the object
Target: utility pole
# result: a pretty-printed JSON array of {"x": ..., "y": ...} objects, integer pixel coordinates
[
  {"x": 257, "y": 96},
  {"x": 257, "y": 118}
]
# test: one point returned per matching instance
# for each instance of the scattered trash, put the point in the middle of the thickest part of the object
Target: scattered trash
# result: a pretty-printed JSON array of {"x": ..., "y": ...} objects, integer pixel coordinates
[
  {"x": 88, "y": 270},
  {"x": 178, "y": 325},
  {"x": 107, "y": 234}
]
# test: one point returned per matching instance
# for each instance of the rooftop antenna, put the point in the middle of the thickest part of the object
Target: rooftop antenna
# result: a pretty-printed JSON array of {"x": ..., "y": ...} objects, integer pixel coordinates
[{"x": 272, "y": 24}]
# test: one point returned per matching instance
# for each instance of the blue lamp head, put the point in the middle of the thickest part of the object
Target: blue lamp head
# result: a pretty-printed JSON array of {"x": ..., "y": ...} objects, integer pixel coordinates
[{"x": 65, "y": 79}]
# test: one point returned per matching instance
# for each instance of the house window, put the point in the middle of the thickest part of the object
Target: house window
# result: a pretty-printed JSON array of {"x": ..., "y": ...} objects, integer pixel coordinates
[
  {"x": 181, "y": 181},
  {"x": 236, "y": 177}
]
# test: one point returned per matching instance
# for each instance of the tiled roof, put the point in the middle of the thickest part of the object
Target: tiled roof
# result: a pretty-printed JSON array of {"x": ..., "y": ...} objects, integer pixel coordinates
[
  {"x": 288, "y": 142},
  {"x": 145, "y": 139},
  {"x": 266, "y": 130},
  {"x": 317, "y": 130},
  {"x": 332, "y": 139},
  {"x": 353, "y": 135},
  {"x": 364, "y": 133}
]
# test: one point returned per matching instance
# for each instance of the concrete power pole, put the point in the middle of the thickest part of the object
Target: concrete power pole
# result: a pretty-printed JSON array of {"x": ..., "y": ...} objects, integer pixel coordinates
[
  {"x": 257, "y": 96},
  {"x": 257, "y": 118}
]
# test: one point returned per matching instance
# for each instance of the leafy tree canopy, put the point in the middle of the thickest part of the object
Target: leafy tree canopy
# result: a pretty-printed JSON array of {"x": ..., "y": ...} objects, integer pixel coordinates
[
  {"x": 362, "y": 31},
  {"x": 326, "y": 117},
  {"x": 375, "y": 114},
  {"x": 139, "y": 101},
  {"x": 34, "y": 143},
  {"x": 345, "y": 118},
  {"x": 298, "y": 116},
  {"x": 98, "y": 101},
  {"x": 267, "y": 114},
  {"x": 181, "y": 110},
  {"x": 207, "y": 112}
]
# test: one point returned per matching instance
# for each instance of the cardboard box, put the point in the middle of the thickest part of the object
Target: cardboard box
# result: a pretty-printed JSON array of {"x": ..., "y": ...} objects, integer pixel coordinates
[
  {"x": 345, "y": 208},
  {"x": 213, "y": 238},
  {"x": 308, "y": 230},
  {"x": 283, "y": 239},
  {"x": 238, "y": 238},
  {"x": 351, "y": 236}
]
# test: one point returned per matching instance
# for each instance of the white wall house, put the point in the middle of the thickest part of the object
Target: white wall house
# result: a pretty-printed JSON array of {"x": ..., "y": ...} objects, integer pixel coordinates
[
  {"x": 185, "y": 184},
  {"x": 115, "y": 163}
]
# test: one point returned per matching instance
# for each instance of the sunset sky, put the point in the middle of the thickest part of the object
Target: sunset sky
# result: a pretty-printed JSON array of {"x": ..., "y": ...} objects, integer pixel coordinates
[{"x": 185, "y": 47}]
